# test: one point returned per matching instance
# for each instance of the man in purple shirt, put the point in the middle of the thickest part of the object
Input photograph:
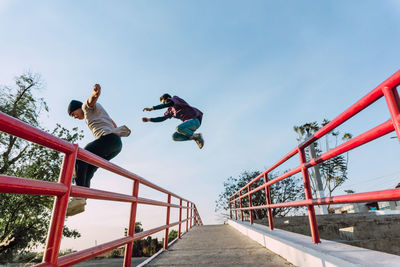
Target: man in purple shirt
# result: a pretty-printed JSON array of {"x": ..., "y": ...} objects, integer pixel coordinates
[{"x": 178, "y": 108}]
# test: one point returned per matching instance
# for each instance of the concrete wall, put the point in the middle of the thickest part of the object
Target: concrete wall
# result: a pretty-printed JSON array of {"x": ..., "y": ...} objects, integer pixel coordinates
[
  {"x": 301, "y": 251},
  {"x": 367, "y": 230}
]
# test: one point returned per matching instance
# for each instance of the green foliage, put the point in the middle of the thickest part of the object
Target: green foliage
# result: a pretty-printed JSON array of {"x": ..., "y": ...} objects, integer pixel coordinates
[
  {"x": 172, "y": 235},
  {"x": 115, "y": 254},
  {"x": 144, "y": 247},
  {"x": 28, "y": 257},
  {"x": 286, "y": 190},
  {"x": 25, "y": 218},
  {"x": 138, "y": 228}
]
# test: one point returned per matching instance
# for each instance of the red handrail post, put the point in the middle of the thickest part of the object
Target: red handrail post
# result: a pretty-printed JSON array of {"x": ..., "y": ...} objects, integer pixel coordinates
[
  {"x": 132, "y": 222},
  {"x": 191, "y": 214},
  {"x": 235, "y": 208},
  {"x": 393, "y": 102},
  {"x": 167, "y": 223},
  {"x": 59, "y": 210},
  {"x": 196, "y": 220},
  {"x": 187, "y": 216},
  {"x": 307, "y": 188},
  {"x": 241, "y": 206},
  {"x": 250, "y": 205},
  {"x": 230, "y": 209},
  {"x": 180, "y": 218},
  {"x": 268, "y": 200}
]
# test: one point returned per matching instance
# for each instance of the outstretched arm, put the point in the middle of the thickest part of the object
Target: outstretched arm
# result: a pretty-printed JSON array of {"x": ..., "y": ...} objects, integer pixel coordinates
[
  {"x": 158, "y": 119},
  {"x": 95, "y": 95},
  {"x": 161, "y": 106}
]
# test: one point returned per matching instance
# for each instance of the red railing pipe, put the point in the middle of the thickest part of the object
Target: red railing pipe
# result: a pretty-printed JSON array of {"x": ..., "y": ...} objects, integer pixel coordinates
[
  {"x": 187, "y": 216},
  {"x": 132, "y": 224},
  {"x": 250, "y": 205},
  {"x": 180, "y": 218},
  {"x": 268, "y": 200},
  {"x": 191, "y": 214},
  {"x": 59, "y": 210},
  {"x": 167, "y": 222},
  {"x": 241, "y": 205},
  {"x": 389, "y": 91},
  {"x": 63, "y": 190},
  {"x": 307, "y": 189},
  {"x": 393, "y": 102},
  {"x": 374, "y": 196}
]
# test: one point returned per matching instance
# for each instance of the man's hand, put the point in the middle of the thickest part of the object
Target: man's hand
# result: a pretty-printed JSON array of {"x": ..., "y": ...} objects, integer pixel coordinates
[
  {"x": 148, "y": 109},
  {"x": 96, "y": 90},
  {"x": 95, "y": 95},
  {"x": 145, "y": 119}
]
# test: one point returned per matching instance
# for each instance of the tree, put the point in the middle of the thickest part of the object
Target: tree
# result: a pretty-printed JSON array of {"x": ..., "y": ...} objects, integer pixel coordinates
[
  {"x": 24, "y": 219},
  {"x": 138, "y": 228},
  {"x": 334, "y": 170},
  {"x": 289, "y": 189},
  {"x": 144, "y": 247},
  {"x": 172, "y": 235}
]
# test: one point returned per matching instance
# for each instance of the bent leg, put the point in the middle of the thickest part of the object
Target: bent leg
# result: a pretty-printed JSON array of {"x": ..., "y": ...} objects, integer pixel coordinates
[
  {"x": 188, "y": 128},
  {"x": 179, "y": 137},
  {"x": 81, "y": 170},
  {"x": 107, "y": 147}
]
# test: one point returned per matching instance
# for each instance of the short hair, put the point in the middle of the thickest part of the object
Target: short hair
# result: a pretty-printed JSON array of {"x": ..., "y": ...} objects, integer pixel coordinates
[{"x": 164, "y": 96}]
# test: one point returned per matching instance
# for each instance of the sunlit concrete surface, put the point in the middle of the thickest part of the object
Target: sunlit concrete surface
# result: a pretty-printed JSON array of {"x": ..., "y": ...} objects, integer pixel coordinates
[
  {"x": 118, "y": 262},
  {"x": 217, "y": 245},
  {"x": 301, "y": 251}
]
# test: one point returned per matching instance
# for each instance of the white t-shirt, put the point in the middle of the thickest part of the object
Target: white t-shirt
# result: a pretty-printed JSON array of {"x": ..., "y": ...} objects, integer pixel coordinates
[{"x": 100, "y": 123}]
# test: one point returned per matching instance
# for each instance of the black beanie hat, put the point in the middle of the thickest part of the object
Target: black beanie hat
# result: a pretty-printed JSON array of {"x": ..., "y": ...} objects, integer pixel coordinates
[{"x": 74, "y": 105}]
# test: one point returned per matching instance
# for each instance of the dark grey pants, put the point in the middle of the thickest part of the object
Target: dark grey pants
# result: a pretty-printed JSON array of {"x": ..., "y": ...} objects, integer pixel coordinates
[{"x": 107, "y": 147}]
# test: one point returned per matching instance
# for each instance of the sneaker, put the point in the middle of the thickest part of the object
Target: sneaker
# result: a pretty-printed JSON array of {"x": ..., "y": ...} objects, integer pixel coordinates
[
  {"x": 198, "y": 138},
  {"x": 76, "y": 205}
]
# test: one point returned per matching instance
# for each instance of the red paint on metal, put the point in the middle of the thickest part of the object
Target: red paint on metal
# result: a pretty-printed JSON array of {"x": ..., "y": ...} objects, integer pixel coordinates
[
  {"x": 132, "y": 223},
  {"x": 63, "y": 190},
  {"x": 191, "y": 214},
  {"x": 16, "y": 185},
  {"x": 187, "y": 217},
  {"x": 307, "y": 189},
  {"x": 235, "y": 210},
  {"x": 250, "y": 205},
  {"x": 389, "y": 91},
  {"x": 268, "y": 200},
  {"x": 393, "y": 102},
  {"x": 180, "y": 219},
  {"x": 167, "y": 222},
  {"x": 241, "y": 206},
  {"x": 59, "y": 210},
  {"x": 383, "y": 195}
]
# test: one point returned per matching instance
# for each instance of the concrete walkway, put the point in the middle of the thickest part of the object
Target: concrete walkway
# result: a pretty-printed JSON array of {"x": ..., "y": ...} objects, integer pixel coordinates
[{"x": 217, "y": 245}]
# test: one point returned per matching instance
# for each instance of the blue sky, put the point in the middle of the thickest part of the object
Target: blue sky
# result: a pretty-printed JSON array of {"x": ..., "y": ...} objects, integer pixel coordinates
[{"x": 255, "y": 68}]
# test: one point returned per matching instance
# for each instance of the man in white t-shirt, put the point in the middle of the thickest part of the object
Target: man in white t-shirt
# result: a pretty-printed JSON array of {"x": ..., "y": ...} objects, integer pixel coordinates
[{"x": 107, "y": 144}]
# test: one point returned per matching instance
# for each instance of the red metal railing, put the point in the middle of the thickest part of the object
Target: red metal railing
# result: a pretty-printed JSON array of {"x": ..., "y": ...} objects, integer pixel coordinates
[
  {"x": 63, "y": 190},
  {"x": 387, "y": 90}
]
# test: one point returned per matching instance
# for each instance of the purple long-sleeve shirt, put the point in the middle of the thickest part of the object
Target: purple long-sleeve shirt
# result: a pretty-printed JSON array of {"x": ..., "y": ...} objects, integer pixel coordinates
[{"x": 182, "y": 110}]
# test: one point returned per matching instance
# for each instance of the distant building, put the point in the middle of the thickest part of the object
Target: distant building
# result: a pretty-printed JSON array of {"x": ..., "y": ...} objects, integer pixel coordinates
[{"x": 369, "y": 207}]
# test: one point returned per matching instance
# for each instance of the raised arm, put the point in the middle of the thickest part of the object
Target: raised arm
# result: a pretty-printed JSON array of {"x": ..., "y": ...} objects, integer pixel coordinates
[{"x": 95, "y": 95}]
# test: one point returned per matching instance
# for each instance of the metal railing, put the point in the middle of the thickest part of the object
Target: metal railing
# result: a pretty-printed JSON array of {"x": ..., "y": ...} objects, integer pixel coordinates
[
  {"x": 387, "y": 90},
  {"x": 64, "y": 189}
]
